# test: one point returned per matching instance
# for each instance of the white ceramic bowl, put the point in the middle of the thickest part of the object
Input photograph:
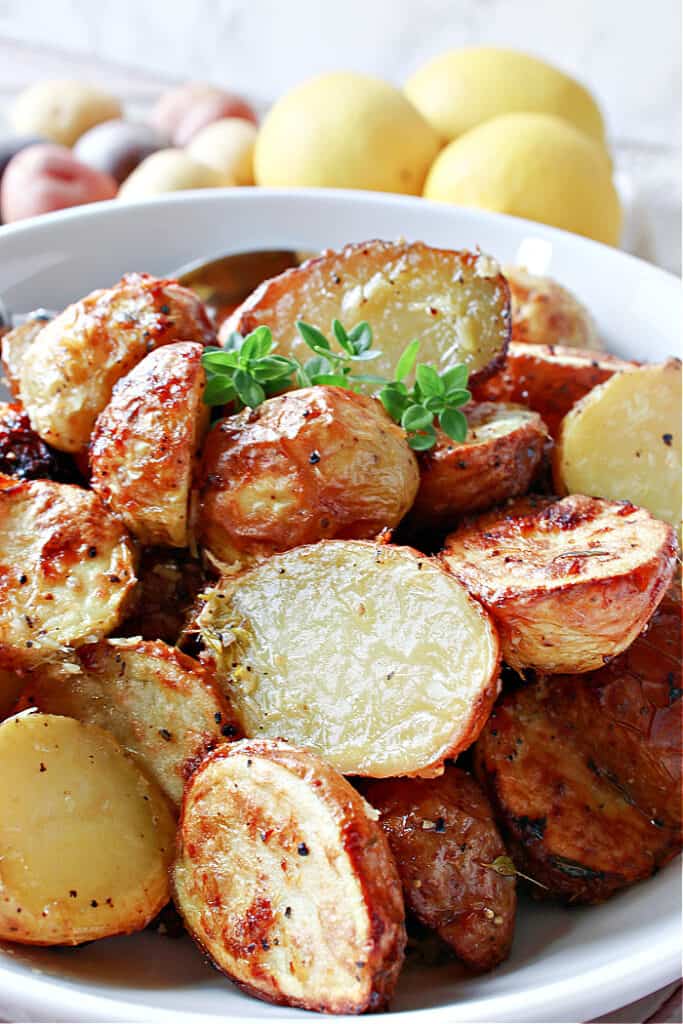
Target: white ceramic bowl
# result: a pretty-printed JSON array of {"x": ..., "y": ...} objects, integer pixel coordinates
[{"x": 566, "y": 964}]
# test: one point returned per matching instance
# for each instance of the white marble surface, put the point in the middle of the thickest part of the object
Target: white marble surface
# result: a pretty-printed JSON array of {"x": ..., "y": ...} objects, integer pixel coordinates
[{"x": 627, "y": 51}]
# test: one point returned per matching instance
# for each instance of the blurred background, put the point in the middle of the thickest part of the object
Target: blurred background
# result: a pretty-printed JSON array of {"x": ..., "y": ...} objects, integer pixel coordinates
[{"x": 627, "y": 53}]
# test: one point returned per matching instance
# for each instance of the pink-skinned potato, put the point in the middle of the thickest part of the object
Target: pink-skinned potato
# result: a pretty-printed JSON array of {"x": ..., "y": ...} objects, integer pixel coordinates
[
  {"x": 47, "y": 177},
  {"x": 181, "y": 112}
]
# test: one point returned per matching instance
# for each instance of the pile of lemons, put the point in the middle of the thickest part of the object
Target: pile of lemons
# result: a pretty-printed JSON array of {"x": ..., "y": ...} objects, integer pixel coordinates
[{"x": 483, "y": 127}]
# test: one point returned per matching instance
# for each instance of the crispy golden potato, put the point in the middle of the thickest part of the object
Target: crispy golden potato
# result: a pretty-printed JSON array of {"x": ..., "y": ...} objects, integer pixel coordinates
[
  {"x": 77, "y": 358},
  {"x": 569, "y": 583},
  {"x": 15, "y": 343},
  {"x": 443, "y": 836},
  {"x": 585, "y": 771},
  {"x": 286, "y": 881},
  {"x": 623, "y": 441},
  {"x": 23, "y": 454},
  {"x": 545, "y": 313},
  {"x": 549, "y": 379},
  {"x": 67, "y": 571},
  {"x": 162, "y": 706},
  {"x": 314, "y": 463},
  {"x": 144, "y": 445},
  {"x": 85, "y": 839},
  {"x": 168, "y": 585},
  {"x": 456, "y": 303},
  {"x": 349, "y": 648},
  {"x": 497, "y": 460}
]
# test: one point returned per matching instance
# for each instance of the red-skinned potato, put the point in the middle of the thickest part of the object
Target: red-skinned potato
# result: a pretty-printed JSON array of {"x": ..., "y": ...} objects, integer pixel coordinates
[
  {"x": 47, "y": 177},
  {"x": 117, "y": 147},
  {"x": 181, "y": 112},
  {"x": 311, "y": 464}
]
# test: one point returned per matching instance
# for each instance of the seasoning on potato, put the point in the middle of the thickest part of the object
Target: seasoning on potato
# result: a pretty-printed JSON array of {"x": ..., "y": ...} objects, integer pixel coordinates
[
  {"x": 570, "y": 583},
  {"x": 117, "y": 147},
  {"x": 62, "y": 110},
  {"x": 87, "y": 854},
  {"x": 227, "y": 146},
  {"x": 298, "y": 901},
  {"x": 46, "y": 177}
]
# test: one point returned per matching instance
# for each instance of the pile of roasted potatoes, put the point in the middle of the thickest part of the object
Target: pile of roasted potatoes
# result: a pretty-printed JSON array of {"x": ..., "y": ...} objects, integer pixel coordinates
[{"x": 309, "y": 683}]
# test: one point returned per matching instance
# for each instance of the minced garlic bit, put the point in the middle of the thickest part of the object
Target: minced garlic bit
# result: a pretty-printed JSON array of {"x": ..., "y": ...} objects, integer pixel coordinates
[
  {"x": 428, "y": 825},
  {"x": 486, "y": 266},
  {"x": 488, "y": 913},
  {"x": 370, "y": 812}
]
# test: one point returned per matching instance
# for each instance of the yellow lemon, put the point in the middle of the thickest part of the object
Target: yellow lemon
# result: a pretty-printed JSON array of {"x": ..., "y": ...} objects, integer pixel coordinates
[
  {"x": 345, "y": 130},
  {"x": 458, "y": 90},
  {"x": 534, "y": 166}
]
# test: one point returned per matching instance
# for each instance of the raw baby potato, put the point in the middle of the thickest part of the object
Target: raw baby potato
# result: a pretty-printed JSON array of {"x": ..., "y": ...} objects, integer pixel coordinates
[
  {"x": 569, "y": 583},
  {"x": 461, "y": 88},
  {"x": 286, "y": 881},
  {"x": 62, "y": 110},
  {"x": 67, "y": 571},
  {"x": 117, "y": 147},
  {"x": 550, "y": 379},
  {"x": 545, "y": 313},
  {"x": 497, "y": 460},
  {"x": 182, "y": 112},
  {"x": 48, "y": 177},
  {"x": 15, "y": 343},
  {"x": 623, "y": 441},
  {"x": 456, "y": 303},
  {"x": 227, "y": 146},
  {"x": 345, "y": 130},
  {"x": 313, "y": 463},
  {"x": 85, "y": 839},
  {"x": 93, "y": 343},
  {"x": 371, "y": 655},
  {"x": 446, "y": 845},
  {"x": 610, "y": 743},
  {"x": 161, "y": 705},
  {"x": 170, "y": 170},
  {"x": 144, "y": 445}
]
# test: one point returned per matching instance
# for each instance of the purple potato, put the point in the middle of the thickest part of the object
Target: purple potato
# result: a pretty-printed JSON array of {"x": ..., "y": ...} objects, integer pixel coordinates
[{"x": 117, "y": 147}]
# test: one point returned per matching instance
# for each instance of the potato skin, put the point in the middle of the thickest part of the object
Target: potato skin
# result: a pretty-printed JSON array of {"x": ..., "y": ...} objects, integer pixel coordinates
[
  {"x": 442, "y": 835},
  {"x": 486, "y": 469},
  {"x": 95, "y": 342},
  {"x": 550, "y": 379},
  {"x": 546, "y": 313},
  {"x": 569, "y": 583},
  {"x": 301, "y": 836},
  {"x": 14, "y": 345},
  {"x": 23, "y": 454},
  {"x": 315, "y": 463},
  {"x": 584, "y": 772},
  {"x": 144, "y": 445}
]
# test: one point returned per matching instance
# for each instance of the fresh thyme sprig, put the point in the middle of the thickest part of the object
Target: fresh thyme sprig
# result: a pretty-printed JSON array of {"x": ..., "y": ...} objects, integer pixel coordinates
[{"x": 247, "y": 371}]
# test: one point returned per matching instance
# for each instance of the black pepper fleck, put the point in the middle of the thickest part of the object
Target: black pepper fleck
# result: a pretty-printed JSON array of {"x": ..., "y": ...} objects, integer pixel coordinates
[
  {"x": 302, "y": 850},
  {"x": 165, "y": 734}
]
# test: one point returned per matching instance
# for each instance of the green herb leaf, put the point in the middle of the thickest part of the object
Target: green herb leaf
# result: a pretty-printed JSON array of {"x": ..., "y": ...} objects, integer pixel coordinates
[
  {"x": 217, "y": 359},
  {"x": 429, "y": 382},
  {"x": 248, "y": 389},
  {"x": 458, "y": 396},
  {"x": 342, "y": 337},
  {"x": 455, "y": 377},
  {"x": 360, "y": 337},
  {"x": 394, "y": 401},
  {"x": 424, "y": 440},
  {"x": 256, "y": 345},
  {"x": 416, "y": 417},
  {"x": 314, "y": 338},
  {"x": 453, "y": 423},
  {"x": 273, "y": 368},
  {"x": 337, "y": 379},
  {"x": 218, "y": 390},
  {"x": 407, "y": 360},
  {"x": 435, "y": 404}
]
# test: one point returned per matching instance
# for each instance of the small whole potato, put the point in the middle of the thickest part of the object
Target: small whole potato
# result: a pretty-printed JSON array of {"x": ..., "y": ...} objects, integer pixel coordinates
[
  {"x": 227, "y": 146},
  {"x": 13, "y": 144},
  {"x": 117, "y": 147},
  {"x": 182, "y": 112},
  {"x": 46, "y": 177},
  {"x": 62, "y": 110},
  {"x": 170, "y": 170}
]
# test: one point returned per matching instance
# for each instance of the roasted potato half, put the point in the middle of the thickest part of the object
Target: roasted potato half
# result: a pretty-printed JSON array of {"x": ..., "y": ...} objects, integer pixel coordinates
[
  {"x": 549, "y": 379},
  {"x": 546, "y": 313},
  {"x": 168, "y": 585},
  {"x": 584, "y": 772},
  {"x": 314, "y": 463},
  {"x": 446, "y": 845},
  {"x": 67, "y": 571},
  {"x": 11, "y": 686},
  {"x": 74, "y": 362},
  {"x": 85, "y": 839},
  {"x": 144, "y": 445},
  {"x": 456, "y": 303},
  {"x": 497, "y": 460},
  {"x": 15, "y": 343},
  {"x": 285, "y": 880},
  {"x": 23, "y": 454},
  {"x": 371, "y": 655},
  {"x": 161, "y": 705},
  {"x": 570, "y": 583},
  {"x": 623, "y": 441}
]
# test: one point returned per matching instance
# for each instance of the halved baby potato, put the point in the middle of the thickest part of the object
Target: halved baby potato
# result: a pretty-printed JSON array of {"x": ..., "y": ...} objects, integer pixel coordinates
[
  {"x": 446, "y": 845},
  {"x": 497, "y": 460},
  {"x": 314, "y": 463},
  {"x": 68, "y": 377},
  {"x": 456, "y": 303},
  {"x": 569, "y": 583},
  {"x": 550, "y": 379},
  {"x": 544, "y": 312},
  {"x": 286, "y": 881},
  {"x": 14, "y": 345},
  {"x": 372, "y": 655},
  {"x": 67, "y": 571},
  {"x": 160, "y": 704},
  {"x": 144, "y": 445},
  {"x": 86, "y": 840},
  {"x": 623, "y": 441}
]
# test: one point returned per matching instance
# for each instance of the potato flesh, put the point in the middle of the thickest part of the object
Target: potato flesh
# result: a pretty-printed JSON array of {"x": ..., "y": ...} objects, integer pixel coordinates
[
  {"x": 623, "y": 441},
  {"x": 15, "y": 344},
  {"x": 85, "y": 839},
  {"x": 456, "y": 303},
  {"x": 370, "y": 655},
  {"x": 546, "y": 313}
]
